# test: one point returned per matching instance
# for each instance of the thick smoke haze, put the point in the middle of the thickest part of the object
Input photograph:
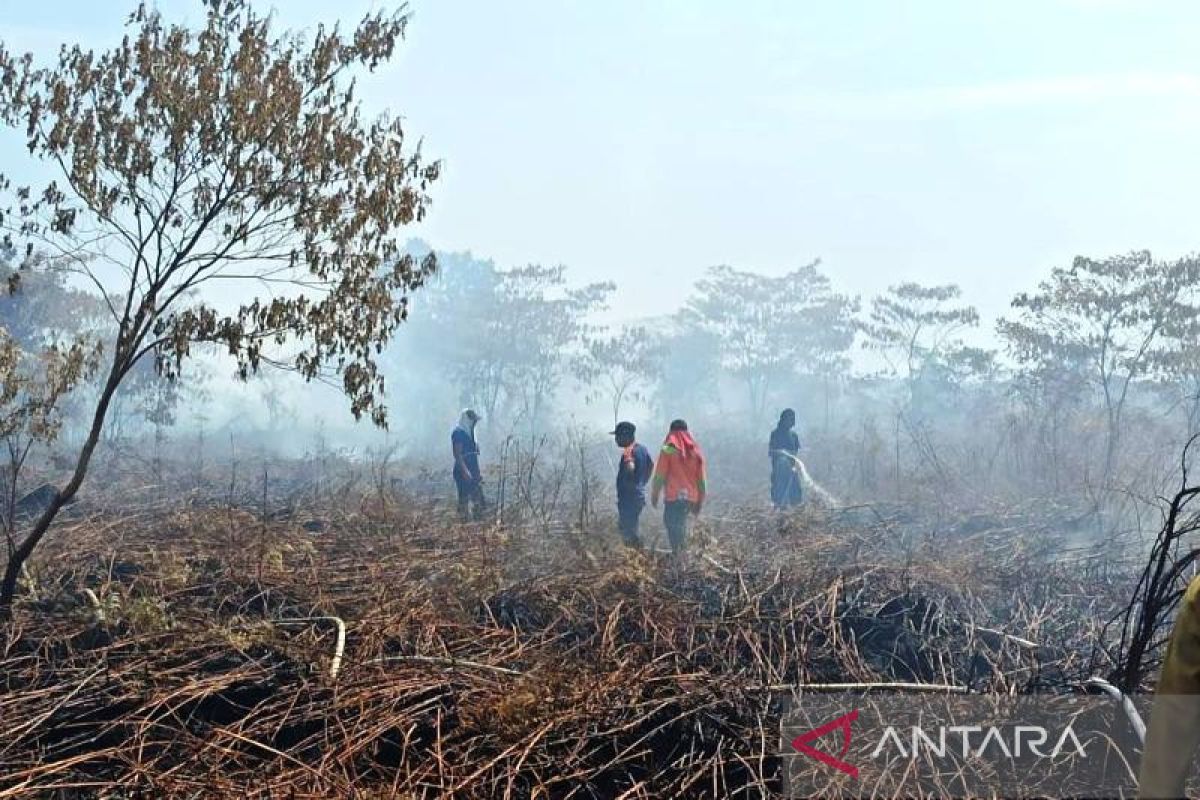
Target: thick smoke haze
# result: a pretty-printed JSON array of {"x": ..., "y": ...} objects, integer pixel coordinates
[{"x": 529, "y": 399}]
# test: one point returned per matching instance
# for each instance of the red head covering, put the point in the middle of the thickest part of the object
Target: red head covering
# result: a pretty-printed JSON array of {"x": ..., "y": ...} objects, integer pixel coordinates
[{"x": 683, "y": 442}]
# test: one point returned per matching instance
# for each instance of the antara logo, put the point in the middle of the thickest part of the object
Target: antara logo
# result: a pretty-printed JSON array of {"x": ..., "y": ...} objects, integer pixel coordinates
[
  {"x": 974, "y": 741},
  {"x": 801, "y": 743},
  {"x": 1014, "y": 742}
]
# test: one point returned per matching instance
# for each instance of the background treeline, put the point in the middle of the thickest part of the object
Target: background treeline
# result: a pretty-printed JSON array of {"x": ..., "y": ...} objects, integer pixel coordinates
[
  {"x": 1090, "y": 384},
  {"x": 1091, "y": 381}
]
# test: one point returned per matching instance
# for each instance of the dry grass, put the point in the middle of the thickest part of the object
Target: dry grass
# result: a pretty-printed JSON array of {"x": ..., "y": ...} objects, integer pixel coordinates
[{"x": 497, "y": 662}]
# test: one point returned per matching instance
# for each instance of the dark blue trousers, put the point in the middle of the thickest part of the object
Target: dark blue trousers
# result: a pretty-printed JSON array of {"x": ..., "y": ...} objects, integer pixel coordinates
[
  {"x": 676, "y": 517},
  {"x": 629, "y": 514},
  {"x": 470, "y": 498}
]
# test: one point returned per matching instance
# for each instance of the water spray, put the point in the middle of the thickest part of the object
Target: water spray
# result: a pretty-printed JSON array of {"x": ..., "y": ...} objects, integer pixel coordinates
[{"x": 817, "y": 489}]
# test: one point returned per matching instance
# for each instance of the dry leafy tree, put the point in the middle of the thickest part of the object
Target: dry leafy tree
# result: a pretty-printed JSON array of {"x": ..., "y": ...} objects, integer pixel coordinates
[
  {"x": 1117, "y": 320},
  {"x": 33, "y": 388},
  {"x": 195, "y": 168}
]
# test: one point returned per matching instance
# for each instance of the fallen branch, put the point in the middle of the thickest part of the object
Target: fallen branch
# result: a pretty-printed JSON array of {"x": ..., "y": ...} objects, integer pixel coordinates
[
  {"x": 1017, "y": 640},
  {"x": 861, "y": 687},
  {"x": 716, "y": 564}
]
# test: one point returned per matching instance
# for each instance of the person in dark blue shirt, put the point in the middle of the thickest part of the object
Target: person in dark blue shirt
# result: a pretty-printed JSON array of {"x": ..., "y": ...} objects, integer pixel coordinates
[
  {"x": 467, "y": 477},
  {"x": 633, "y": 473},
  {"x": 782, "y": 450}
]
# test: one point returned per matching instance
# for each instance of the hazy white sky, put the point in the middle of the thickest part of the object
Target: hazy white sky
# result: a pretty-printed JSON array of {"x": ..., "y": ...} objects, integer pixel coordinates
[{"x": 637, "y": 141}]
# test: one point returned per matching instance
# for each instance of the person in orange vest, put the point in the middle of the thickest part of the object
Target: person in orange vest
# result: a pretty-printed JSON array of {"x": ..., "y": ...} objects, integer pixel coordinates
[{"x": 681, "y": 478}]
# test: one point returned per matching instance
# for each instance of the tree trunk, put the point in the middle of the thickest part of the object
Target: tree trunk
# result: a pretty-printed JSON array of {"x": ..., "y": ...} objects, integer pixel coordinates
[
  {"x": 618, "y": 396},
  {"x": 1112, "y": 440},
  {"x": 826, "y": 382},
  {"x": 8, "y": 587},
  {"x": 896, "y": 478}
]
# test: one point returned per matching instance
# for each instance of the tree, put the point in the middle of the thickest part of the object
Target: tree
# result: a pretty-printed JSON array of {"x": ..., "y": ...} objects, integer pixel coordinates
[
  {"x": 619, "y": 364},
  {"x": 686, "y": 363},
  {"x": 430, "y": 362},
  {"x": 916, "y": 330},
  {"x": 225, "y": 155},
  {"x": 153, "y": 400},
  {"x": 504, "y": 336},
  {"x": 538, "y": 324},
  {"x": 769, "y": 327},
  {"x": 33, "y": 386},
  {"x": 912, "y": 325},
  {"x": 1051, "y": 395},
  {"x": 448, "y": 333},
  {"x": 1181, "y": 381},
  {"x": 1112, "y": 318},
  {"x": 40, "y": 308}
]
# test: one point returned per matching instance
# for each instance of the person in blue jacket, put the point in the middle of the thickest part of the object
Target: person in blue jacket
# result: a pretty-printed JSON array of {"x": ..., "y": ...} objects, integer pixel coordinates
[
  {"x": 633, "y": 473},
  {"x": 467, "y": 477}
]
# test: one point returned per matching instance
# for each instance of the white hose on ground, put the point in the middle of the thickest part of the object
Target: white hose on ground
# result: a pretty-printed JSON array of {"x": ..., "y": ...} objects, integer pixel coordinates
[
  {"x": 1135, "y": 719},
  {"x": 96, "y": 604},
  {"x": 339, "y": 647}
]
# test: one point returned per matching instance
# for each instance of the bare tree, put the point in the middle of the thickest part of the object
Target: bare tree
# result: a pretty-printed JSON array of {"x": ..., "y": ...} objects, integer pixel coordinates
[
  {"x": 224, "y": 155},
  {"x": 1144, "y": 623},
  {"x": 618, "y": 365}
]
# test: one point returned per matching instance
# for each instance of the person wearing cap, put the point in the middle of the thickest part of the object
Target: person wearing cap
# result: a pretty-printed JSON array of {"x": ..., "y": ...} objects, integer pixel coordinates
[
  {"x": 681, "y": 478},
  {"x": 633, "y": 473},
  {"x": 467, "y": 477}
]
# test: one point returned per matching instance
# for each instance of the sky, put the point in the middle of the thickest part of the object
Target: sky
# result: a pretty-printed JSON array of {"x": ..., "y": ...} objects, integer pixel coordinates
[{"x": 642, "y": 141}]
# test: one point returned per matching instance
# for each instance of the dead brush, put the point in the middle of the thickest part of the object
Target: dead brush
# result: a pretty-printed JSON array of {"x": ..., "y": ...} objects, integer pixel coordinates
[{"x": 496, "y": 661}]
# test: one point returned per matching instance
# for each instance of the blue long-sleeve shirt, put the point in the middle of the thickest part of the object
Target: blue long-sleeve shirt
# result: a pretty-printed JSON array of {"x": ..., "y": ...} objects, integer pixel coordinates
[
  {"x": 633, "y": 473},
  {"x": 464, "y": 447}
]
